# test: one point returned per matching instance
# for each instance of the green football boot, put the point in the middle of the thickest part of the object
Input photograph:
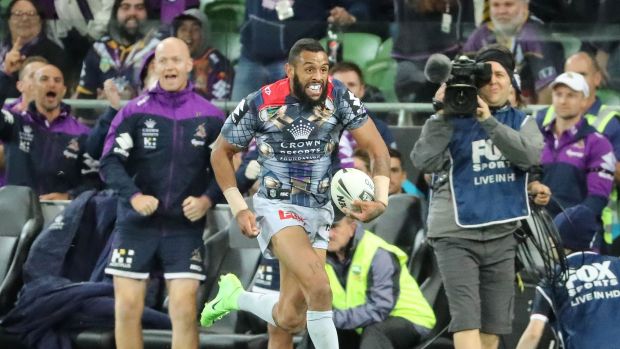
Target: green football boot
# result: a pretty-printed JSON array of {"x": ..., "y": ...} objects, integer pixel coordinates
[{"x": 224, "y": 302}]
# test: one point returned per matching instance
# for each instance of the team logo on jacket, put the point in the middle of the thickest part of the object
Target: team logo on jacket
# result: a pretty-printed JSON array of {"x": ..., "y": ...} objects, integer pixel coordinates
[
  {"x": 199, "y": 136},
  {"x": 72, "y": 150},
  {"x": 25, "y": 138},
  {"x": 150, "y": 134}
]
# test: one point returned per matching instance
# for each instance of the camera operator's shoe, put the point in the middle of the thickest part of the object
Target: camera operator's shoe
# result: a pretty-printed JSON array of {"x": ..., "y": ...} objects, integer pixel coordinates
[{"x": 224, "y": 302}]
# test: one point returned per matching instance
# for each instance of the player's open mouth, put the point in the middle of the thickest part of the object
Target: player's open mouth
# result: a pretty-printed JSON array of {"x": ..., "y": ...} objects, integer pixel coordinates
[{"x": 314, "y": 89}]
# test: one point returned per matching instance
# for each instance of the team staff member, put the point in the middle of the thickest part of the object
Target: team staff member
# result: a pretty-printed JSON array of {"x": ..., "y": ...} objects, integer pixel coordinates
[
  {"x": 156, "y": 156},
  {"x": 297, "y": 122},
  {"x": 44, "y": 144},
  {"x": 478, "y": 201},
  {"x": 377, "y": 303}
]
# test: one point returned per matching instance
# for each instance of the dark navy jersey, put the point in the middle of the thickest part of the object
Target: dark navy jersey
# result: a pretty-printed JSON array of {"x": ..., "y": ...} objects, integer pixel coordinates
[
  {"x": 584, "y": 306},
  {"x": 158, "y": 145},
  {"x": 47, "y": 157},
  {"x": 294, "y": 141}
]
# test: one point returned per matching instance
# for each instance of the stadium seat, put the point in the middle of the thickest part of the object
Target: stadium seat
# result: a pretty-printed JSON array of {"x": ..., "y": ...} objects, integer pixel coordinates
[
  {"x": 401, "y": 221},
  {"x": 229, "y": 43},
  {"x": 570, "y": 43},
  {"x": 608, "y": 96},
  {"x": 21, "y": 221},
  {"x": 225, "y": 15},
  {"x": 382, "y": 74},
  {"x": 385, "y": 49},
  {"x": 359, "y": 48}
]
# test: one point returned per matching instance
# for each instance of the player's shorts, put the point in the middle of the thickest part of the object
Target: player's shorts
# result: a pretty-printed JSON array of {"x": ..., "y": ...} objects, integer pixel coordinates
[
  {"x": 134, "y": 255},
  {"x": 273, "y": 216}
]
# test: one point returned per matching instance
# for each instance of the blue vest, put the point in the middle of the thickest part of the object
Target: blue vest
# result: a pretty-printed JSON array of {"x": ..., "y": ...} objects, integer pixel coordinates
[{"x": 487, "y": 189}]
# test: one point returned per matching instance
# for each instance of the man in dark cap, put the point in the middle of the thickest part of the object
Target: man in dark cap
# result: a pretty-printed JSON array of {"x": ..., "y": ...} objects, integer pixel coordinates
[{"x": 479, "y": 197}]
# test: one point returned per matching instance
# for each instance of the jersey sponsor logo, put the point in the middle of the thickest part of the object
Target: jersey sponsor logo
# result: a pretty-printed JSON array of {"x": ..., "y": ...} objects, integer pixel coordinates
[
  {"x": 239, "y": 112},
  {"x": 300, "y": 150},
  {"x": 122, "y": 257},
  {"x": 150, "y": 134},
  {"x": 300, "y": 129},
  {"x": 199, "y": 136},
  {"x": 284, "y": 215},
  {"x": 58, "y": 223},
  {"x": 26, "y": 136},
  {"x": 73, "y": 149},
  {"x": 591, "y": 282},
  {"x": 8, "y": 117},
  {"x": 124, "y": 142},
  {"x": 574, "y": 154}
]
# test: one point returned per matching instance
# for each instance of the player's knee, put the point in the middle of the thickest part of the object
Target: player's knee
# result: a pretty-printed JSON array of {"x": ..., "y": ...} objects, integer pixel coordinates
[
  {"x": 182, "y": 311},
  {"x": 128, "y": 307},
  {"x": 320, "y": 295},
  {"x": 292, "y": 322}
]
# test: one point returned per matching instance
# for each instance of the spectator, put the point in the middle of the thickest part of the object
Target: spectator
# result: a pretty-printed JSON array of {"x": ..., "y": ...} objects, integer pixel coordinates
[
  {"x": 24, "y": 86},
  {"x": 538, "y": 60},
  {"x": 74, "y": 25},
  {"x": 377, "y": 303},
  {"x": 165, "y": 10},
  {"x": 361, "y": 161},
  {"x": 45, "y": 143},
  {"x": 598, "y": 115},
  {"x": 24, "y": 83},
  {"x": 213, "y": 73},
  {"x": 120, "y": 53},
  {"x": 26, "y": 38},
  {"x": 162, "y": 217},
  {"x": 269, "y": 32},
  {"x": 578, "y": 162},
  {"x": 426, "y": 27},
  {"x": 351, "y": 76},
  {"x": 580, "y": 305},
  {"x": 398, "y": 176},
  {"x": 478, "y": 201}
]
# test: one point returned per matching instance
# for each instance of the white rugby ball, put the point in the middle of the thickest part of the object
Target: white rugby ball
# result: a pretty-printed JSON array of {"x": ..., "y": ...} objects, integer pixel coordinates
[{"x": 348, "y": 185}]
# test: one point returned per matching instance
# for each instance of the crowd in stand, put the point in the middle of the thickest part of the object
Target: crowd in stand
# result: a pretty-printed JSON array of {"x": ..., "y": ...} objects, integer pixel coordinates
[{"x": 52, "y": 50}]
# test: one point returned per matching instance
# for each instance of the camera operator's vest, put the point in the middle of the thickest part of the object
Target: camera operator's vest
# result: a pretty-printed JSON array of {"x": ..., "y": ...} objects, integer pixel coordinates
[{"x": 487, "y": 188}]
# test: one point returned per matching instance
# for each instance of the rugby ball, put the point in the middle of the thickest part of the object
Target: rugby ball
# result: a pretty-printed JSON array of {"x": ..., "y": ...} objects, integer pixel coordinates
[{"x": 348, "y": 185}]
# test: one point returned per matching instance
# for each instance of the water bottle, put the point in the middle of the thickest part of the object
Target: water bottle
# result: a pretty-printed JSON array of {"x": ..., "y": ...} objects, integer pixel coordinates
[{"x": 334, "y": 44}]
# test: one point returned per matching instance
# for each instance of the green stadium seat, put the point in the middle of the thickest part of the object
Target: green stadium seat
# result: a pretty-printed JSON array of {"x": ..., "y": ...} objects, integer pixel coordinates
[
  {"x": 385, "y": 49},
  {"x": 225, "y": 15},
  {"x": 359, "y": 48},
  {"x": 381, "y": 73},
  {"x": 228, "y": 43},
  {"x": 609, "y": 97},
  {"x": 570, "y": 43}
]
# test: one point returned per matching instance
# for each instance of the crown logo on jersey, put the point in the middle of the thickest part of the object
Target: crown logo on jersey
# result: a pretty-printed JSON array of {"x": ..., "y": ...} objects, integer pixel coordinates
[
  {"x": 27, "y": 129},
  {"x": 150, "y": 123},
  {"x": 301, "y": 129}
]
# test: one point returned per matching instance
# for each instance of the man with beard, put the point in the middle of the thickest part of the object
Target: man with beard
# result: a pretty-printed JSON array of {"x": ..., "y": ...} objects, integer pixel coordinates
[
  {"x": 297, "y": 122},
  {"x": 156, "y": 156},
  {"x": 538, "y": 60},
  {"x": 119, "y": 54},
  {"x": 45, "y": 143}
]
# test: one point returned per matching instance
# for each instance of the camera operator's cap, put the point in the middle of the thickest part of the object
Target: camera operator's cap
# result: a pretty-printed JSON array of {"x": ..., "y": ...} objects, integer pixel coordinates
[
  {"x": 578, "y": 226},
  {"x": 499, "y": 54},
  {"x": 574, "y": 81}
]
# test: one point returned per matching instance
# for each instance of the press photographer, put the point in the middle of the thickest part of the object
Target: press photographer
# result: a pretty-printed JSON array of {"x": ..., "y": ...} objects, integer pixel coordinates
[{"x": 480, "y": 161}]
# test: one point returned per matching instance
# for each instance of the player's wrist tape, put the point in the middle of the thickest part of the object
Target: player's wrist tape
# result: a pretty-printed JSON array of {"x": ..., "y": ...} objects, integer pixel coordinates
[
  {"x": 235, "y": 200},
  {"x": 382, "y": 188}
]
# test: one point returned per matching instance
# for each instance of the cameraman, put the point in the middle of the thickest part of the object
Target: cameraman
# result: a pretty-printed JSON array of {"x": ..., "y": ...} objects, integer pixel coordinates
[{"x": 479, "y": 196}]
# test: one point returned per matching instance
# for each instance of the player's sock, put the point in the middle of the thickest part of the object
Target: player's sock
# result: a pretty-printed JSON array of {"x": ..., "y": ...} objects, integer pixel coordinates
[
  {"x": 259, "y": 304},
  {"x": 321, "y": 329}
]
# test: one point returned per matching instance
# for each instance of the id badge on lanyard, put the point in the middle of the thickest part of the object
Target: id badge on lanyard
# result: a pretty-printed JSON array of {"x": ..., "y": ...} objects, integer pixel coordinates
[{"x": 446, "y": 20}]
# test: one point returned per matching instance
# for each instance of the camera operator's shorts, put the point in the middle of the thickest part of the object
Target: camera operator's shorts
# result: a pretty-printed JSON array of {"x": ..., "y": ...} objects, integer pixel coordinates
[
  {"x": 479, "y": 282},
  {"x": 273, "y": 216},
  {"x": 135, "y": 255}
]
